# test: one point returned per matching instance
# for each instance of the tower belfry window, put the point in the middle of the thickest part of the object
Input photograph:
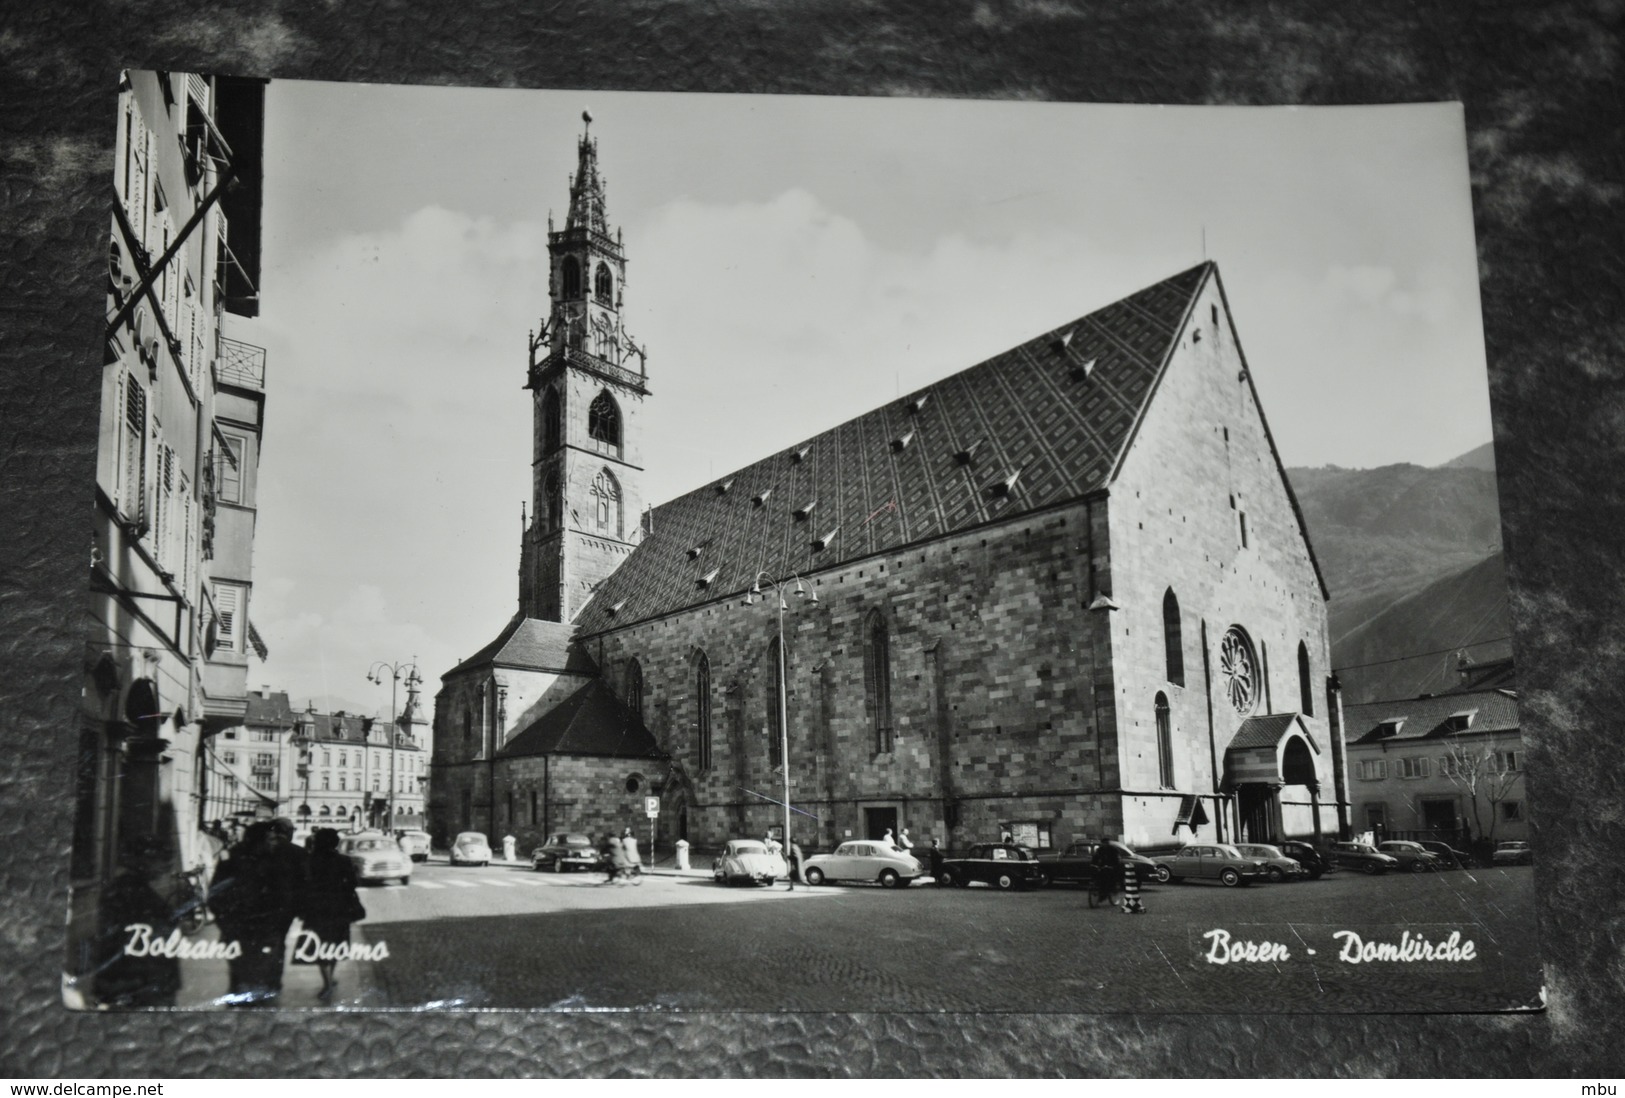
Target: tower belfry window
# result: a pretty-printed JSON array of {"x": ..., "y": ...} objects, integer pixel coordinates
[
  {"x": 604, "y": 285},
  {"x": 606, "y": 496},
  {"x": 570, "y": 269},
  {"x": 604, "y": 420}
]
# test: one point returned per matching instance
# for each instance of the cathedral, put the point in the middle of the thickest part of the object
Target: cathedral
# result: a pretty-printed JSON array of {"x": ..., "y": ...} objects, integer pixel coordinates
[{"x": 1052, "y": 596}]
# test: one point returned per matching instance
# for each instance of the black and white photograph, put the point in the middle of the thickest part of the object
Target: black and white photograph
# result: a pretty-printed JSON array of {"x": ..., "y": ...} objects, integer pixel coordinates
[{"x": 591, "y": 550}]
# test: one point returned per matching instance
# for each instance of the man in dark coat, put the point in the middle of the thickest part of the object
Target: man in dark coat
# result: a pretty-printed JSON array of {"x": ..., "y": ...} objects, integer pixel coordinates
[{"x": 254, "y": 895}]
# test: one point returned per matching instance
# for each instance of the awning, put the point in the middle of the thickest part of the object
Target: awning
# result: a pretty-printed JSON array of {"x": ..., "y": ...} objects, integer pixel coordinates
[
  {"x": 1192, "y": 813},
  {"x": 1275, "y": 749}
]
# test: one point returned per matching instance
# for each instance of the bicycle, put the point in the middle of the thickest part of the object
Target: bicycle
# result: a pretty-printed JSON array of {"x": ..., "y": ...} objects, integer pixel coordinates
[
  {"x": 190, "y": 901},
  {"x": 1102, "y": 890}
]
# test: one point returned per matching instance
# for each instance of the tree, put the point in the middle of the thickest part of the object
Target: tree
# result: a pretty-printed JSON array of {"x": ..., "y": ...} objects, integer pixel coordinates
[{"x": 1487, "y": 774}]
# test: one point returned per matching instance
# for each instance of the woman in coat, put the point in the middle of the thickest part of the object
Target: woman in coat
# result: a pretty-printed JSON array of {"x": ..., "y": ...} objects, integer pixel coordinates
[{"x": 329, "y": 904}]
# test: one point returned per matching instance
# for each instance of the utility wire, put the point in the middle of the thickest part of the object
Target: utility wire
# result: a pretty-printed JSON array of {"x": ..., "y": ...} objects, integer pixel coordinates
[{"x": 1423, "y": 655}]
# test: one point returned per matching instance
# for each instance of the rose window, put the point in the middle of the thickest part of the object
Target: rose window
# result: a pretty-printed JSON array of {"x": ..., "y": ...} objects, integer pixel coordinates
[{"x": 1238, "y": 668}]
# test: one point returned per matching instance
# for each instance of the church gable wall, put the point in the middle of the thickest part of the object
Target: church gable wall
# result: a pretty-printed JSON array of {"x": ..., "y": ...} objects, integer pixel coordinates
[
  {"x": 1174, "y": 526},
  {"x": 538, "y": 796},
  {"x": 992, "y": 668}
]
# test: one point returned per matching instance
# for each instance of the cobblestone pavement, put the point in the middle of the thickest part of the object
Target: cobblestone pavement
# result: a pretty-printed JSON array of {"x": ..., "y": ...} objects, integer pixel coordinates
[{"x": 503, "y": 937}]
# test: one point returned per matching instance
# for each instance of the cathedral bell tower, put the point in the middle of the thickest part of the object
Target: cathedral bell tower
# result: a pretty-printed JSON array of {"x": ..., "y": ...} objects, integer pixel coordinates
[{"x": 588, "y": 382}]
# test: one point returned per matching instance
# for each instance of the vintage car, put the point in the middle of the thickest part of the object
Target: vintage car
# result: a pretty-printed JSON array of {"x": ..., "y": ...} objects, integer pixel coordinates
[
  {"x": 1411, "y": 856},
  {"x": 1277, "y": 866},
  {"x": 1512, "y": 852},
  {"x": 1002, "y": 865},
  {"x": 470, "y": 848},
  {"x": 566, "y": 850},
  {"x": 750, "y": 861},
  {"x": 415, "y": 843},
  {"x": 1209, "y": 861},
  {"x": 1075, "y": 864},
  {"x": 376, "y": 857},
  {"x": 1313, "y": 861},
  {"x": 863, "y": 860},
  {"x": 1362, "y": 856},
  {"x": 1452, "y": 857}
]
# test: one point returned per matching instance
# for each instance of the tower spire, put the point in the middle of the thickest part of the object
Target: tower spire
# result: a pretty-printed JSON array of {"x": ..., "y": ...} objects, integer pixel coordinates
[{"x": 587, "y": 189}]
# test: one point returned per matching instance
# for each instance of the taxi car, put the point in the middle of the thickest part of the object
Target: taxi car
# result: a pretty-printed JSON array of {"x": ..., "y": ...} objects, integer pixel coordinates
[
  {"x": 750, "y": 861},
  {"x": 376, "y": 857},
  {"x": 1277, "y": 865},
  {"x": 1003, "y": 865},
  {"x": 470, "y": 848},
  {"x": 1209, "y": 861},
  {"x": 863, "y": 860},
  {"x": 566, "y": 850}
]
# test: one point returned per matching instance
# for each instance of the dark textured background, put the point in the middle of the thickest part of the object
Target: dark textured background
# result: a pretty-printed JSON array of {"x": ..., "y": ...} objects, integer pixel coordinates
[{"x": 1542, "y": 88}]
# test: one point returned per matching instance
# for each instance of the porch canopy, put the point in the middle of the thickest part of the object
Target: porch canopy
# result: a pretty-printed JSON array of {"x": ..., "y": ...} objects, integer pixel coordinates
[{"x": 1275, "y": 749}]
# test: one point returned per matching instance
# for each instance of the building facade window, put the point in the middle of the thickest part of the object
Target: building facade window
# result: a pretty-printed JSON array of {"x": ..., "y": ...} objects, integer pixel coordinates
[
  {"x": 1373, "y": 770},
  {"x": 702, "y": 709},
  {"x": 552, "y": 501},
  {"x": 570, "y": 269},
  {"x": 1173, "y": 639},
  {"x": 1506, "y": 761},
  {"x": 1511, "y": 811},
  {"x": 1411, "y": 768},
  {"x": 604, "y": 419},
  {"x": 229, "y": 615},
  {"x": 231, "y": 469},
  {"x": 775, "y": 680},
  {"x": 1238, "y": 669},
  {"x": 551, "y": 418},
  {"x": 1306, "y": 690},
  {"x": 877, "y": 679},
  {"x": 634, "y": 687},
  {"x": 604, "y": 285},
  {"x": 1165, "y": 742},
  {"x": 606, "y": 498}
]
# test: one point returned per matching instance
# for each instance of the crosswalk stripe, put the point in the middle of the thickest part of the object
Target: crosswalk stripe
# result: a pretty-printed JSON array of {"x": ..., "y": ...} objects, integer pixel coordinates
[
  {"x": 463, "y": 884},
  {"x": 428, "y": 884},
  {"x": 499, "y": 884}
]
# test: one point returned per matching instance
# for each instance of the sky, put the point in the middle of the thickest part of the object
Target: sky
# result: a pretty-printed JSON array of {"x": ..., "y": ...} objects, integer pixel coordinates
[{"x": 791, "y": 262}]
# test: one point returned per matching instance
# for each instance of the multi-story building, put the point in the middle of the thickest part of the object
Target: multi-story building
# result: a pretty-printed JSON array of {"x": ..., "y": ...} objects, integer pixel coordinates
[
  {"x": 1065, "y": 592},
  {"x": 1446, "y": 766},
  {"x": 168, "y": 631}
]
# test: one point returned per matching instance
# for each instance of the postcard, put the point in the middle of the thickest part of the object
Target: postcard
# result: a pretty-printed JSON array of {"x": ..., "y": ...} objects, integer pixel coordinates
[{"x": 609, "y": 551}]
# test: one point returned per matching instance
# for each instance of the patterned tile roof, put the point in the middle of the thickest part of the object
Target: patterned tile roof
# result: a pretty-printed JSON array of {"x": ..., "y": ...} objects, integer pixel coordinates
[
  {"x": 1427, "y": 718},
  {"x": 270, "y": 708},
  {"x": 1056, "y": 413},
  {"x": 1264, "y": 731},
  {"x": 533, "y": 644},
  {"x": 591, "y": 721}
]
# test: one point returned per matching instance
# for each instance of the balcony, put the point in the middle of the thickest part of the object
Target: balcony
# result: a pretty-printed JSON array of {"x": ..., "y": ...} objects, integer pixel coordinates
[
  {"x": 581, "y": 360},
  {"x": 240, "y": 364}
]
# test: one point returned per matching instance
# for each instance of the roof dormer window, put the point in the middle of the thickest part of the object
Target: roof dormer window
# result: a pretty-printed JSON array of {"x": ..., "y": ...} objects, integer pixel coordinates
[
  {"x": 900, "y": 443},
  {"x": 761, "y": 497},
  {"x": 964, "y": 456},
  {"x": 707, "y": 579},
  {"x": 821, "y": 543},
  {"x": 806, "y": 509}
]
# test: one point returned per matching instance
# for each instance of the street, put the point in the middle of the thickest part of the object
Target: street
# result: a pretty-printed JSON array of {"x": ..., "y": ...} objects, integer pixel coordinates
[{"x": 506, "y": 937}]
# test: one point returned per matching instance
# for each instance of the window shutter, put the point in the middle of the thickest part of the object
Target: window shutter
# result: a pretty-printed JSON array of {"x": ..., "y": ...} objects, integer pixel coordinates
[
  {"x": 226, "y": 608},
  {"x": 133, "y": 490}
]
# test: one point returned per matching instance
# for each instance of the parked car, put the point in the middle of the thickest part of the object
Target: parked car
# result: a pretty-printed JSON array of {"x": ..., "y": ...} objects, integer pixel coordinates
[
  {"x": 376, "y": 857},
  {"x": 1002, "y": 865},
  {"x": 470, "y": 848},
  {"x": 1411, "y": 856},
  {"x": 1452, "y": 857},
  {"x": 748, "y": 860},
  {"x": 1277, "y": 866},
  {"x": 863, "y": 860},
  {"x": 1209, "y": 861},
  {"x": 1362, "y": 856},
  {"x": 567, "y": 850},
  {"x": 416, "y": 844},
  {"x": 1512, "y": 852},
  {"x": 1313, "y": 861},
  {"x": 1076, "y": 863}
]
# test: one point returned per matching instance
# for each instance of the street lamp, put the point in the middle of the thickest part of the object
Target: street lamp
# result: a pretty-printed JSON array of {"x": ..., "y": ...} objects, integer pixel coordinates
[
  {"x": 375, "y": 675},
  {"x": 784, "y": 687}
]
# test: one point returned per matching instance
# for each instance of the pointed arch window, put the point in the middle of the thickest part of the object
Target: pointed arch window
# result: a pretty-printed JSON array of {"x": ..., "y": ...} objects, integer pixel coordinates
[
  {"x": 877, "y": 679},
  {"x": 1306, "y": 690},
  {"x": 1165, "y": 742},
  {"x": 552, "y": 501},
  {"x": 775, "y": 677},
  {"x": 702, "y": 708},
  {"x": 604, "y": 419},
  {"x": 1173, "y": 638},
  {"x": 606, "y": 498},
  {"x": 551, "y": 420},
  {"x": 634, "y": 687},
  {"x": 604, "y": 284},
  {"x": 570, "y": 269}
]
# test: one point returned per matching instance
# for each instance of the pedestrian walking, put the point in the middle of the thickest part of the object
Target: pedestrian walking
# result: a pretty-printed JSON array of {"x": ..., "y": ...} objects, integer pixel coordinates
[
  {"x": 1107, "y": 864},
  {"x": 253, "y": 897},
  {"x": 795, "y": 864},
  {"x": 130, "y": 903},
  {"x": 328, "y": 905},
  {"x": 936, "y": 858},
  {"x": 611, "y": 854},
  {"x": 634, "y": 860},
  {"x": 888, "y": 840},
  {"x": 903, "y": 842}
]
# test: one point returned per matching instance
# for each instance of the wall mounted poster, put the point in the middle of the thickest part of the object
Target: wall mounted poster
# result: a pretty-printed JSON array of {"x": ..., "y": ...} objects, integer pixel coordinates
[{"x": 722, "y": 553}]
